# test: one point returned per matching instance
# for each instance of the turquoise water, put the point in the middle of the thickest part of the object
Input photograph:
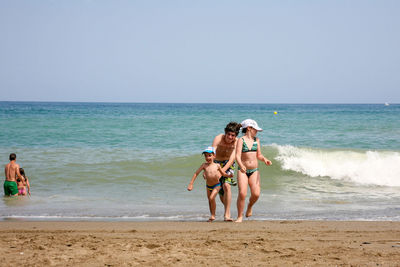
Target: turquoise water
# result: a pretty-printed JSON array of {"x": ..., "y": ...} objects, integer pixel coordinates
[{"x": 133, "y": 161}]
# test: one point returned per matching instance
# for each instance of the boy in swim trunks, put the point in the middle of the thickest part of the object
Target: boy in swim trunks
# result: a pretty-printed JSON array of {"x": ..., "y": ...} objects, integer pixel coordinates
[
  {"x": 212, "y": 173},
  {"x": 225, "y": 156}
]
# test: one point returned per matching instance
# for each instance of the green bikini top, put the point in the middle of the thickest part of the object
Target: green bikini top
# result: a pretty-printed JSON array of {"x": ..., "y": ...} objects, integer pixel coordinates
[{"x": 253, "y": 148}]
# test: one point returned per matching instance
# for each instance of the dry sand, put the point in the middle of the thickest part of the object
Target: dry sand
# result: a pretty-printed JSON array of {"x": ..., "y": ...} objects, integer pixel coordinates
[{"x": 251, "y": 243}]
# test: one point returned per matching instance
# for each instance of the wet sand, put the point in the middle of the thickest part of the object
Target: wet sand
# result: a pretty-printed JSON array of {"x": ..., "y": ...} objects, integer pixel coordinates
[{"x": 251, "y": 243}]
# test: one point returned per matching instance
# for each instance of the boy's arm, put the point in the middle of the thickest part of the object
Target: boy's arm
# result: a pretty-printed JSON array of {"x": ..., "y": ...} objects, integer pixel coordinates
[
  {"x": 190, "y": 186},
  {"x": 260, "y": 156}
]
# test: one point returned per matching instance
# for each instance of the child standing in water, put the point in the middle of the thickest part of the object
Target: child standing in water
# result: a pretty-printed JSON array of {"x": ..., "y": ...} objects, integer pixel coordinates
[
  {"x": 212, "y": 173},
  {"x": 23, "y": 184},
  {"x": 248, "y": 153}
]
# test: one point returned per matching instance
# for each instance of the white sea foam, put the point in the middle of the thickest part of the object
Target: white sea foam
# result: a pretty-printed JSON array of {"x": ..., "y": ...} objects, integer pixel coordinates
[
  {"x": 144, "y": 217},
  {"x": 365, "y": 167}
]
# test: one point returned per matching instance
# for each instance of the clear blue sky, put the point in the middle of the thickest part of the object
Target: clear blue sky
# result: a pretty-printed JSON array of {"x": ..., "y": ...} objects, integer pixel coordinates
[{"x": 342, "y": 51}]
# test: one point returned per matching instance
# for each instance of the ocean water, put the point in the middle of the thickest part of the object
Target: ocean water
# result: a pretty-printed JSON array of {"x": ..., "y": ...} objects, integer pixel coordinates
[{"x": 133, "y": 161}]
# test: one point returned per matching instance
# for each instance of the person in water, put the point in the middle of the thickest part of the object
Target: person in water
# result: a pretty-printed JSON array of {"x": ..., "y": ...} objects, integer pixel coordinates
[
  {"x": 225, "y": 156},
  {"x": 23, "y": 184},
  {"x": 248, "y": 153},
  {"x": 12, "y": 174},
  {"x": 212, "y": 173}
]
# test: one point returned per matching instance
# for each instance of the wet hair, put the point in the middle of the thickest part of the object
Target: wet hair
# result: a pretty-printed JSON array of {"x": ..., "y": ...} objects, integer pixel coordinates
[
  {"x": 22, "y": 172},
  {"x": 13, "y": 156},
  {"x": 233, "y": 127}
]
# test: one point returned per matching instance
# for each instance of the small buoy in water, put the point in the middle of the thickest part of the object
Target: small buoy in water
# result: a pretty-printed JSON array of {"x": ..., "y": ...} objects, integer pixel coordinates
[{"x": 275, "y": 112}]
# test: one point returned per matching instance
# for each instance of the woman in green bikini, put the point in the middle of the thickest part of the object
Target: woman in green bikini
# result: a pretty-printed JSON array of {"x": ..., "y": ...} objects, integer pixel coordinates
[{"x": 248, "y": 153}]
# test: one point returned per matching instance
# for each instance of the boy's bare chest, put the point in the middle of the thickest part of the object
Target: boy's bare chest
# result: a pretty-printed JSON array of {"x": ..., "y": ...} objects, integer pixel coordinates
[{"x": 211, "y": 171}]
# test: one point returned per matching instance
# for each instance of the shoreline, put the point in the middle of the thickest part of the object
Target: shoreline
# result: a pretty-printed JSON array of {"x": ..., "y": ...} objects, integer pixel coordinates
[
  {"x": 155, "y": 243},
  {"x": 23, "y": 219}
]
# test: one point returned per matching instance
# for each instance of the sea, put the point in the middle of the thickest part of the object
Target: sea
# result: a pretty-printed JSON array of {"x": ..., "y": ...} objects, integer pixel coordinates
[{"x": 133, "y": 161}]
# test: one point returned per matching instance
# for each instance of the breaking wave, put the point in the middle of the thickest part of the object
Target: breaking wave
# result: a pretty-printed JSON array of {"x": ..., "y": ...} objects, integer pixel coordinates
[{"x": 364, "y": 167}]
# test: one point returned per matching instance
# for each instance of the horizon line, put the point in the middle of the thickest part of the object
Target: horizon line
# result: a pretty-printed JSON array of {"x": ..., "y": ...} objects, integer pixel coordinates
[{"x": 225, "y": 103}]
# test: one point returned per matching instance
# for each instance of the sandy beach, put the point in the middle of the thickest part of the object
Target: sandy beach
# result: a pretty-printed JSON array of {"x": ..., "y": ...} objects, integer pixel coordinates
[{"x": 252, "y": 243}]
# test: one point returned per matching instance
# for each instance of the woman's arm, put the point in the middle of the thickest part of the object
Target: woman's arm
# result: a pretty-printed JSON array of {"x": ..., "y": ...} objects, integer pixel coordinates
[
  {"x": 260, "y": 156},
  {"x": 239, "y": 145},
  {"x": 28, "y": 185}
]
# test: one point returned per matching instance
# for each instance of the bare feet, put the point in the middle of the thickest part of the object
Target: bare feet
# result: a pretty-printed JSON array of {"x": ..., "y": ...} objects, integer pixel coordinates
[
  {"x": 249, "y": 211},
  {"x": 239, "y": 220},
  {"x": 211, "y": 219},
  {"x": 228, "y": 220}
]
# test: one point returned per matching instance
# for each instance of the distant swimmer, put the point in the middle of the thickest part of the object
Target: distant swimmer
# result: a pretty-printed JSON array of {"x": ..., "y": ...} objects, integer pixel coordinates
[
  {"x": 23, "y": 184},
  {"x": 12, "y": 174}
]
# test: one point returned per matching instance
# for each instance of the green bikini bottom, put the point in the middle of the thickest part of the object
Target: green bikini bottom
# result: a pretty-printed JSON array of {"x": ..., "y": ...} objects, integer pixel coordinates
[{"x": 250, "y": 172}]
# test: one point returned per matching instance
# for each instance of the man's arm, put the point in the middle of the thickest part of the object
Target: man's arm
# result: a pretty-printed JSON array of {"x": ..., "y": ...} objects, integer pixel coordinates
[
  {"x": 216, "y": 141},
  {"x": 221, "y": 171},
  {"x": 18, "y": 174},
  {"x": 231, "y": 158}
]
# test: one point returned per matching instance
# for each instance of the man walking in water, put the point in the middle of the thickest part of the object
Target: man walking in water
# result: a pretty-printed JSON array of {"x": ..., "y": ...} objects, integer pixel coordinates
[
  {"x": 12, "y": 173},
  {"x": 225, "y": 145}
]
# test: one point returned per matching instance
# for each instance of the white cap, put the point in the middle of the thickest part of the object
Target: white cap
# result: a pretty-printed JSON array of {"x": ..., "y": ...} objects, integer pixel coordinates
[
  {"x": 209, "y": 149},
  {"x": 251, "y": 123}
]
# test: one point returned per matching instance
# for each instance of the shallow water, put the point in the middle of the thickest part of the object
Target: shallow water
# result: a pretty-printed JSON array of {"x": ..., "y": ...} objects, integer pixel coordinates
[{"x": 133, "y": 161}]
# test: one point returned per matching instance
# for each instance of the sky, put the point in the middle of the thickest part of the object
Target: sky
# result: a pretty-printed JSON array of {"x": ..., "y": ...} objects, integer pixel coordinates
[{"x": 208, "y": 51}]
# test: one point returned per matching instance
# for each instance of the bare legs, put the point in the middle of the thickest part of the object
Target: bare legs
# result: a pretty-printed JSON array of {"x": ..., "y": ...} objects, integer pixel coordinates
[
  {"x": 242, "y": 185},
  {"x": 254, "y": 183},
  {"x": 255, "y": 194},
  {"x": 211, "y": 202},
  {"x": 226, "y": 199}
]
